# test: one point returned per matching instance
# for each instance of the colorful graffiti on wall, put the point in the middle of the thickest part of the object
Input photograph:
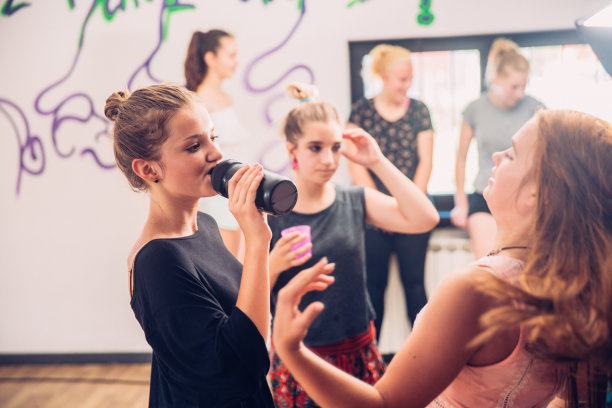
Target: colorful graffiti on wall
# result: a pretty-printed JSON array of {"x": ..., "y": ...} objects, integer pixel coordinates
[
  {"x": 74, "y": 110},
  {"x": 76, "y": 107}
]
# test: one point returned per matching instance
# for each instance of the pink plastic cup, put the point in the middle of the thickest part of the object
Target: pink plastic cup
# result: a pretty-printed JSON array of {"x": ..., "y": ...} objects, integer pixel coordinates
[{"x": 304, "y": 229}]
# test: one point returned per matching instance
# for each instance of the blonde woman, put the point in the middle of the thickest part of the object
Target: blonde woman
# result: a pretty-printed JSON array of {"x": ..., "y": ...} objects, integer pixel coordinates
[
  {"x": 402, "y": 128},
  {"x": 492, "y": 119}
]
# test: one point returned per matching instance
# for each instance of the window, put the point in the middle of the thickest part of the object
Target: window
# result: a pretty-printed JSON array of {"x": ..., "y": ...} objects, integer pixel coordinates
[{"x": 448, "y": 73}]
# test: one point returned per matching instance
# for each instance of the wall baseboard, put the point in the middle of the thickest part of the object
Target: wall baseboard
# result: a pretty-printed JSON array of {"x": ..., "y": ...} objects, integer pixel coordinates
[{"x": 75, "y": 358}]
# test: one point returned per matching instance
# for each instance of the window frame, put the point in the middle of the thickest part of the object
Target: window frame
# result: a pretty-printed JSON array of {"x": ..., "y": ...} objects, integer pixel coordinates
[{"x": 481, "y": 43}]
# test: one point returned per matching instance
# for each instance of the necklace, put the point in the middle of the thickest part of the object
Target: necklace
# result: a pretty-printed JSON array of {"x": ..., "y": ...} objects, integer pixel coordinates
[{"x": 498, "y": 250}]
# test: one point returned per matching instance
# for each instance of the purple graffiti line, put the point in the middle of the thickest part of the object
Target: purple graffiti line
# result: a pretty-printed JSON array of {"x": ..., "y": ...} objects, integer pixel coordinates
[
  {"x": 265, "y": 88},
  {"x": 76, "y": 109},
  {"x": 81, "y": 100},
  {"x": 31, "y": 150},
  {"x": 85, "y": 103}
]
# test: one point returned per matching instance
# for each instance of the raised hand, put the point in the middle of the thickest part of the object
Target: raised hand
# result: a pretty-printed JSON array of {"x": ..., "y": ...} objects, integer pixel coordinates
[
  {"x": 242, "y": 189},
  {"x": 290, "y": 324},
  {"x": 458, "y": 216},
  {"x": 363, "y": 150}
]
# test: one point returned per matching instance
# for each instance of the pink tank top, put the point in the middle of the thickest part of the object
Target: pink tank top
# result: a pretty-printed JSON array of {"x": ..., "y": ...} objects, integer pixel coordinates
[{"x": 518, "y": 381}]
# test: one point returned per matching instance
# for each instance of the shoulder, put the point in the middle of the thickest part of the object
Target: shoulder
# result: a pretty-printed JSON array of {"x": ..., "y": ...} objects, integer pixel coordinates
[
  {"x": 532, "y": 102},
  {"x": 459, "y": 293},
  {"x": 158, "y": 254},
  {"x": 418, "y": 104},
  {"x": 351, "y": 197},
  {"x": 206, "y": 222},
  {"x": 349, "y": 192},
  {"x": 482, "y": 100},
  {"x": 361, "y": 106},
  {"x": 478, "y": 110},
  {"x": 215, "y": 101},
  {"x": 361, "y": 103}
]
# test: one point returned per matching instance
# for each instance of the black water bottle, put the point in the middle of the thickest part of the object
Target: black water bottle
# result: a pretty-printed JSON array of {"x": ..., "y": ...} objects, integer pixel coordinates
[{"x": 276, "y": 194}]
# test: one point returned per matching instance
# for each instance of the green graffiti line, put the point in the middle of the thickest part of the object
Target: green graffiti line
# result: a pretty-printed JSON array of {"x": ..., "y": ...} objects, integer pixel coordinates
[
  {"x": 353, "y": 2},
  {"x": 8, "y": 9},
  {"x": 171, "y": 7},
  {"x": 109, "y": 13},
  {"x": 425, "y": 17}
]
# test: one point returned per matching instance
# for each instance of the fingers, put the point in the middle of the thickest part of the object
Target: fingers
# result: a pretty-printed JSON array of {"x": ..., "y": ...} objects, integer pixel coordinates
[
  {"x": 301, "y": 283},
  {"x": 244, "y": 183},
  {"x": 290, "y": 325},
  {"x": 355, "y": 135},
  {"x": 302, "y": 254},
  {"x": 292, "y": 239},
  {"x": 248, "y": 183},
  {"x": 231, "y": 185},
  {"x": 322, "y": 282},
  {"x": 458, "y": 217},
  {"x": 253, "y": 183},
  {"x": 310, "y": 313},
  {"x": 349, "y": 155}
]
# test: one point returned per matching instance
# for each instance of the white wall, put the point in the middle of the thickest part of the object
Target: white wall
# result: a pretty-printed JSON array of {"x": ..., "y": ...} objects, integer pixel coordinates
[{"x": 67, "y": 223}]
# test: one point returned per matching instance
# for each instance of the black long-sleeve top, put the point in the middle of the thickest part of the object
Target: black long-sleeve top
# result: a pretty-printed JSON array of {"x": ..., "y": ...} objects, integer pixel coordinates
[{"x": 206, "y": 351}]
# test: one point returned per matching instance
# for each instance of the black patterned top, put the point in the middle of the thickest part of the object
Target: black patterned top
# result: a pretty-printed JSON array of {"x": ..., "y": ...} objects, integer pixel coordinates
[{"x": 397, "y": 140}]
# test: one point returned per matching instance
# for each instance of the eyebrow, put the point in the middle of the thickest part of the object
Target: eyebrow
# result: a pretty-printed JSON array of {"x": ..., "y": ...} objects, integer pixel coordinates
[
  {"x": 322, "y": 142},
  {"x": 197, "y": 135}
]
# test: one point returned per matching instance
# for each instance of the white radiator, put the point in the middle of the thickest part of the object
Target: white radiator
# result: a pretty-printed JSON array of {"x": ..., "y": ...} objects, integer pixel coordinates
[{"x": 449, "y": 249}]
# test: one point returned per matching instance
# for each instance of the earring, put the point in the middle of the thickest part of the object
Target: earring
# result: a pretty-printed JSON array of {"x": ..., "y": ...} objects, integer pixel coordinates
[
  {"x": 294, "y": 164},
  {"x": 156, "y": 181}
]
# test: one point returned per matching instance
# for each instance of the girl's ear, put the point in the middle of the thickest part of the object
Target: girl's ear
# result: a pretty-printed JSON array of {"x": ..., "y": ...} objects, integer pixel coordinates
[
  {"x": 531, "y": 196},
  {"x": 290, "y": 149},
  {"x": 209, "y": 58},
  {"x": 145, "y": 170}
]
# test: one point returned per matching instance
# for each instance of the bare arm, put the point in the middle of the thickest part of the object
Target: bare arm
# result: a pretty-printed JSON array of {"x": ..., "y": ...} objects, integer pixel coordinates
[
  {"x": 425, "y": 154},
  {"x": 255, "y": 275},
  {"x": 420, "y": 371},
  {"x": 459, "y": 212},
  {"x": 359, "y": 173},
  {"x": 408, "y": 209}
]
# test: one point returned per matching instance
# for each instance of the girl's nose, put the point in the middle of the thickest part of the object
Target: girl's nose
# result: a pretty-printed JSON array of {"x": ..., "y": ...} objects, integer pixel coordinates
[
  {"x": 328, "y": 156},
  {"x": 496, "y": 157},
  {"x": 214, "y": 154}
]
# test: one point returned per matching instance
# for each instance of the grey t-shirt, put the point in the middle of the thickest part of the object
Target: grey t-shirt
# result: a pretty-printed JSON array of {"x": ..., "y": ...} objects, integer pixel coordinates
[
  {"x": 493, "y": 129},
  {"x": 337, "y": 233}
]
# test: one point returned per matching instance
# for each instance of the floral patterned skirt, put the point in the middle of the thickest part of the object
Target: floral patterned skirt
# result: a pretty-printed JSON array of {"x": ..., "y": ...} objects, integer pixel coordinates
[{"x": 365, "y": 363}]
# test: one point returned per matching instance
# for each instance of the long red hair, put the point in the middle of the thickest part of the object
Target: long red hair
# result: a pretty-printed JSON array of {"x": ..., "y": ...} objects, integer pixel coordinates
[{"x": 566, "y": 285}]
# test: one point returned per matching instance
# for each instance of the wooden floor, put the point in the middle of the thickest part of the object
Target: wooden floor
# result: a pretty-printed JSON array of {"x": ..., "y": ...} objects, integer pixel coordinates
[{"x": 79, "y": 386}]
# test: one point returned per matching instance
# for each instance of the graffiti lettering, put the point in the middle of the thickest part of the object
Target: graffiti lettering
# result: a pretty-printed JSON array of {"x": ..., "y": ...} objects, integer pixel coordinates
[
  {"x": 265, "y": 88},
  {"x": 425, "y": 17},
  {"x": 75, "y": 110}
]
